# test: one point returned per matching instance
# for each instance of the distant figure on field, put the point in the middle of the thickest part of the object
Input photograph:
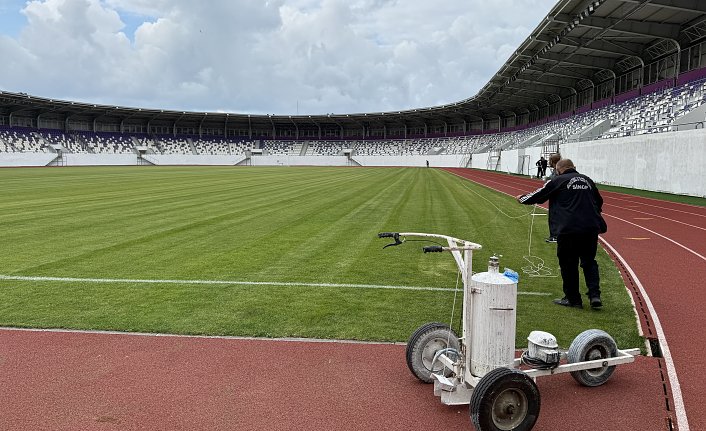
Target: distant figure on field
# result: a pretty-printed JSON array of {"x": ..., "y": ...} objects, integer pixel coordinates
[
  {"x": 427, "y": 163},
  {"x": 541, "y": 167},
  {"x": 575, "y": 205}
]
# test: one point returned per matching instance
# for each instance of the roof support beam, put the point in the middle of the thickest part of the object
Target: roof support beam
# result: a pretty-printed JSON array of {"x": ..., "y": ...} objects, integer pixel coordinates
[
  {"x": 649, "y": 30},
  {"x": 696, "y": 6},
  {"x": 535, "y": 89},
  {"x": 560, "y": 71},
  {"x": 560, "y": 83},
  {"x": 599, "y": 45},
  {"x": 580, "y": 60}
]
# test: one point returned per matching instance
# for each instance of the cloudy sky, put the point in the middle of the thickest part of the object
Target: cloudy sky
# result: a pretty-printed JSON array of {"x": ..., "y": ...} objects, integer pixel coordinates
[{"x": 260, "y": 56}]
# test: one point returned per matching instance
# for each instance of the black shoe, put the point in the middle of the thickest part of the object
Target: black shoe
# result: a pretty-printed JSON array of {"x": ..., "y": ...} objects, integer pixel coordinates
[
  {"x": 596, "y": 302},
  {"x": 565, "y": 302},
  {"x": 550, "y": 239}
]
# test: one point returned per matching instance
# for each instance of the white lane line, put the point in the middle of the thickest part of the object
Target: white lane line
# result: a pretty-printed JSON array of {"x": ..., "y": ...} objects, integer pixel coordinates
[
  {"x": 618, "y": 218},
  {"x": 679, "y": 409},
  {"x": 608, "y": 195},
  {"x": 660, "y": 235},
  {"x": 216, "y": 337},
  {"x": 605, "y": 194},
  {"x": 238, "y": 283},
  {"x": 655, "y": 215}
]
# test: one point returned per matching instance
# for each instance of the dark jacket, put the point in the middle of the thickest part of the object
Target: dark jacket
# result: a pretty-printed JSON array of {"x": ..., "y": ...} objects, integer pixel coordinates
[{"x": 575, "y": 205}]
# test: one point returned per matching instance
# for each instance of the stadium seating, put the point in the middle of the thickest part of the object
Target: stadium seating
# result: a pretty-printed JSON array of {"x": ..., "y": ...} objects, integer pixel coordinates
[
  {"x": 106, "y": 143},
  {"x": 280, "y": 148},
  {"x": 22, "y": 140},
  {"x": 325, "y": 148},
  {"x": 58, "y": 138},
  {"x": 221, "y": 146},
  {"x": 173, "y": 145},
  {"x": 650, "y": 113}
]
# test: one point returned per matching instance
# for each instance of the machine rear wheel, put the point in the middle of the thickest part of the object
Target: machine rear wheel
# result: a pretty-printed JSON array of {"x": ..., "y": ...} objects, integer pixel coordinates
[
  {"x": 505, "y": 400},
  {"x": 588, "y": 346},
  {"x": 423, "y": 345}
]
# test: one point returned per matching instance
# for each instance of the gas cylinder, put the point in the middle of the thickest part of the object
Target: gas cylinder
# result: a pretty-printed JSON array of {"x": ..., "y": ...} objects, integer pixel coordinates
[{"x": 492, "y": 303}]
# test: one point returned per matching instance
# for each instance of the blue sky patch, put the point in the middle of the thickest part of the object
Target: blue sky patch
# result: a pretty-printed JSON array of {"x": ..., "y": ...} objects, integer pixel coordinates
[{"x": 11, "y": 19}]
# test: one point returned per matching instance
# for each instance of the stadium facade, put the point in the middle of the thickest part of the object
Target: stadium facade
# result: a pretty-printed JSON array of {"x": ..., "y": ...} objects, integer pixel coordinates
[{"x": 592, "y": 75}]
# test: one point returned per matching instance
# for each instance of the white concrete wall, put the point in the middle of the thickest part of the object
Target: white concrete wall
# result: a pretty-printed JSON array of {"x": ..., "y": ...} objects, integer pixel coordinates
[
  {"x": 508, "y": 161},
  {"x": 299, "y": 160},
  {"x": 100, "y": 159},
  {"x": 444, "y": 160},
  {"x": 25, "y": 159},
  {"x": 673, "y": 162},
  {"x": 192, "y": 159},
  {"x": 436, "y": 161},
  {"x": 480, "y": 160}
]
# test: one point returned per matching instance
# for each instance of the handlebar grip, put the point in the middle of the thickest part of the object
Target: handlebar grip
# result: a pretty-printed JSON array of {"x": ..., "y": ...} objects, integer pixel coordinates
[
  {"x": 387, "y": 234},
  {"x": 433, "y": 249}
]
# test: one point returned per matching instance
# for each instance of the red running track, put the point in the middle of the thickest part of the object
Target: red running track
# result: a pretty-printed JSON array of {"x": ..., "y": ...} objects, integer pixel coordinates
[
  {"x": 661, "y": 247},
  {"x": 72, "y": 381}
]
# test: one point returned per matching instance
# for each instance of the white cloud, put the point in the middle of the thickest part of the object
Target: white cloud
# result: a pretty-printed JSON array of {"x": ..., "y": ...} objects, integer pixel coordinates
[{"x": 259, "y": 56}]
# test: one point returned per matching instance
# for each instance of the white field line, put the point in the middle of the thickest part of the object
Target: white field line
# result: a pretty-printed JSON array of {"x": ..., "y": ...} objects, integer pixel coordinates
[
  {"x": 237, "y": 283},
  {"x": 216, "y": 337},
  {"x": 679, "y": 409}
]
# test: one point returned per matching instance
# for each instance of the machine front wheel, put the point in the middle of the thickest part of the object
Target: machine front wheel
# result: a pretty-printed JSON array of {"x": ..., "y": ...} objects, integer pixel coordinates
[
  {"x": 588, "y": 346},
  {"x": 423, "y": 345},
  {"x": 505, "y": 399}
]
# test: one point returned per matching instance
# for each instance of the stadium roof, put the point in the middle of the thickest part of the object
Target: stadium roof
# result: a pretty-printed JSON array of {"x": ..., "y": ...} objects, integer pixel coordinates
[{"x": 578, "y": 45}]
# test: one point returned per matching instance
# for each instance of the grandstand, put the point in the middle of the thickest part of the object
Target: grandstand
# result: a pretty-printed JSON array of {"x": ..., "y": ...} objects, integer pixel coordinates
[{"x": 603, "y": 71}]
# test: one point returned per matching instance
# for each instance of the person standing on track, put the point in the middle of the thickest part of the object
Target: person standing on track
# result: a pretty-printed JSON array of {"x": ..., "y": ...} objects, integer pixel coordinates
[
  {"x": 575, "y": 205},
  {"x": 541, "y": 167}
]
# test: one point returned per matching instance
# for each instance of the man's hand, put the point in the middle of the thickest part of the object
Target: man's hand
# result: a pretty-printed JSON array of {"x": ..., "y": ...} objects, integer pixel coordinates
[{"x": 518, "y": 197}]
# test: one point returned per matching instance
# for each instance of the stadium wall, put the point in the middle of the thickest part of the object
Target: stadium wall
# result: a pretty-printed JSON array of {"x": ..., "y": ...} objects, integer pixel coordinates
[
  {"x": 286, "y": 160},
  {"x": 437, "y": 161},
  {"x": 100, "y": 159},
  {"x": 671, "y": 162},
  {"x": 191, "y": 159},
  {"x": 12, "y": 160}
]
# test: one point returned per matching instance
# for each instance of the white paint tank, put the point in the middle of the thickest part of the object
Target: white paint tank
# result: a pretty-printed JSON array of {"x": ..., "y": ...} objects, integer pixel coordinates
[{"x": 493, "y": 306}]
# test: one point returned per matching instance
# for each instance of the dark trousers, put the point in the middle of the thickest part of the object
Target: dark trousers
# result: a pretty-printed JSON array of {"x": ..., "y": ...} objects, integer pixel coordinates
[{"x": 572, "y": 249}]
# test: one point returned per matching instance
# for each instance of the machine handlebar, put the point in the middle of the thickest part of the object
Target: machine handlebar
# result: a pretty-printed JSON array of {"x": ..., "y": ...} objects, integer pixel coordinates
[
  {"x": 387, "y": 234},
  {"x": 433, "y": 249}
]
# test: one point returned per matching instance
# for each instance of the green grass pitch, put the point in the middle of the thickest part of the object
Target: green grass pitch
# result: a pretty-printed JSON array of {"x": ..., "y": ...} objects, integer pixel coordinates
[{"x": 288, "y": 225}]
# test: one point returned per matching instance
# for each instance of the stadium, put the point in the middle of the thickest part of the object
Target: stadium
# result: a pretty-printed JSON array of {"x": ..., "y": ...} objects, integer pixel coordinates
[{"x": 212, "y": 270}]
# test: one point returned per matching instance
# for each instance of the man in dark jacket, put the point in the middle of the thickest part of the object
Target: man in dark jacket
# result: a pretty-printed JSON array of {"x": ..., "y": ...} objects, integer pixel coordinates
[
  {"x": 575, "y": 205},
  {"x": 541, "y": 167}
]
